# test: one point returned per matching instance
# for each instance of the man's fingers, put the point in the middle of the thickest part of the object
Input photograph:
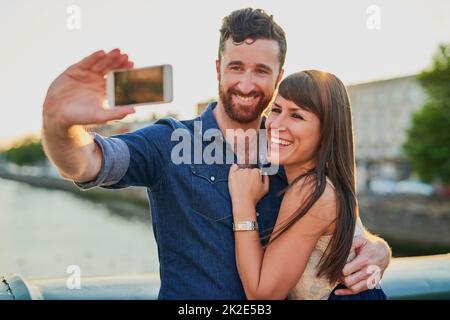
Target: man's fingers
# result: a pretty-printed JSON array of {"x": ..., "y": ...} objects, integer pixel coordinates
[
  {"x": 355, "y": 289},
  {"x": 91, "y": 60},
  {"x": 359, "y": 287},
  {"x": 355, "y": 278},
  {"x": 358, "y": 242},
  {"x": 343, "y": 292},
  {"x": 120, "y": 63},
  {"x": 108, "y": 62},
  {"x": 355, "y": 265},
  {"x": 114, "y": 114},
  {"x": 101, "y": 62},
  {"x": 124, "y": 62}
]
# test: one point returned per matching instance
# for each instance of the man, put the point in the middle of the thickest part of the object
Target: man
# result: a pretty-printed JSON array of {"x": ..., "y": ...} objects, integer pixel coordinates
[{"x": 190, "y": 203}]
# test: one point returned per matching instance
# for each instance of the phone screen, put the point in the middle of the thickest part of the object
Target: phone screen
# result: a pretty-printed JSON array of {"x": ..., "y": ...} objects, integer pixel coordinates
[{"x": 139, "y": 86}]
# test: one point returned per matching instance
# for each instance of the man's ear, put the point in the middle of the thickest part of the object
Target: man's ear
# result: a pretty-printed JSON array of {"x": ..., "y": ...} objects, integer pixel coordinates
[{"x": 218, "y": 69}]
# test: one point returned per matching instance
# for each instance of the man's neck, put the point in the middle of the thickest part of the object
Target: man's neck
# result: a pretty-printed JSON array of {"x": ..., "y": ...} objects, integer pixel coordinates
[{"x": 247, "y": 153}]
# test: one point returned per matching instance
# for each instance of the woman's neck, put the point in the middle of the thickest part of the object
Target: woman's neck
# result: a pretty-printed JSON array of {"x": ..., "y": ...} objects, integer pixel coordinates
[{"x": 294, "y": 170}]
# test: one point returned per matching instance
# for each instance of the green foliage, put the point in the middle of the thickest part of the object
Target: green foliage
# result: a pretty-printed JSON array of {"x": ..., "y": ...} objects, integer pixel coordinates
[
  {"x": 28, "y": 151},
  {"x": 436, "y": 81},
  {"x": 428, "y": 142}
]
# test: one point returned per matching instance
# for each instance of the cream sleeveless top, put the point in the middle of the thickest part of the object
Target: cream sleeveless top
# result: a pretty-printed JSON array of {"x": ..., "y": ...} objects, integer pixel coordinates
[{"x": 310, "y": 286}]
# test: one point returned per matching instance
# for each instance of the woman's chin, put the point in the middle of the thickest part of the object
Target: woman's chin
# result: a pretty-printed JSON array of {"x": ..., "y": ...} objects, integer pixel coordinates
[{"x": 276, "y": 159}]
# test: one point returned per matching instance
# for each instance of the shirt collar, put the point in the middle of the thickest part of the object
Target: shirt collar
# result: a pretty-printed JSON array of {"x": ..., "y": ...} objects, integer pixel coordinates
[{"x": 207, "y": 117}]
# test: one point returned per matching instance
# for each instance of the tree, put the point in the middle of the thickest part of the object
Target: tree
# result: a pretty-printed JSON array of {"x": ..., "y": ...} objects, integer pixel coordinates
[
  {"x": 26, "y": 152},
  {"x": 427, "y": 146}
]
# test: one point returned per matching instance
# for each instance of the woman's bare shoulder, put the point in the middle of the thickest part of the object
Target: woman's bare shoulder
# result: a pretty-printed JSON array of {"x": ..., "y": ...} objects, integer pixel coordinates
[{"x": 325, "y": 206}]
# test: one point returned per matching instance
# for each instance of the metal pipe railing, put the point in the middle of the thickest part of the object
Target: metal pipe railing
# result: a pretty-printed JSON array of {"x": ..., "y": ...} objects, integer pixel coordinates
[{"x": 426, "y": 277}]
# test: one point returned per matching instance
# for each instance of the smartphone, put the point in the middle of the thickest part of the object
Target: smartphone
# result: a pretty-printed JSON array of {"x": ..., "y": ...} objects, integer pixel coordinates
[{"x": 140, "y": 86}]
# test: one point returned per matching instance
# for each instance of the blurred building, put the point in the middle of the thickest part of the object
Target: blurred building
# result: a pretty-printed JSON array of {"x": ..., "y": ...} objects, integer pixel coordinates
[
  {"x": 118, "y": 127},
  {"x": 201, "y": 107},
  {"x": 382, "y": 113}
]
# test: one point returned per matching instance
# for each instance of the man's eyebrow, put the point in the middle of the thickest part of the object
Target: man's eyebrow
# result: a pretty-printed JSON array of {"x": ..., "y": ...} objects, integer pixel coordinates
[{"x": 236, "y": 62}]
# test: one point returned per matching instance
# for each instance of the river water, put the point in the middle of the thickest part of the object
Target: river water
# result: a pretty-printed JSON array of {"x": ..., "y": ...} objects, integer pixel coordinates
[{"x": 44, "y": 232}]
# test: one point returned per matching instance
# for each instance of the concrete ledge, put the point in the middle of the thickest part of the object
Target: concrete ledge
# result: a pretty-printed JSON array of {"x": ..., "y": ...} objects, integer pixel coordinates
[{"x": 426, "y": 277}]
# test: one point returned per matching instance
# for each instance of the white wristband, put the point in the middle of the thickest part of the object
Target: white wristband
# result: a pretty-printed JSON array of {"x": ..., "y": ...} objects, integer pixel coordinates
[{"x": 245, "y": 226}]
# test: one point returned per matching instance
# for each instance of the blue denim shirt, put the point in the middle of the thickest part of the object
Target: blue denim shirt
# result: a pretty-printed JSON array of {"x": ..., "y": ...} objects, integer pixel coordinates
[{"x": 190, "y": 207}]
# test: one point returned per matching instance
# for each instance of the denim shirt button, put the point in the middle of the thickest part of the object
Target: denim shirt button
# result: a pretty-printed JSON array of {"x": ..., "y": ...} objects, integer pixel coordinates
[
  {"x": 213, "y": 178},
  {"x": 257, "y": 214}
]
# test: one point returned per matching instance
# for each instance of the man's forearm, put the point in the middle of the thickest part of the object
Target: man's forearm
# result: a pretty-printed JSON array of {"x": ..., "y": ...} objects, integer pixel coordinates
[
  {"x": 384, "y": 246},
  {"x": 72, "y": 150}
]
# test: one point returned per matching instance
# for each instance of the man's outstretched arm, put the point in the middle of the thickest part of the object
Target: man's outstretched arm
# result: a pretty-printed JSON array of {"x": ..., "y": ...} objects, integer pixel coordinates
[{"x": 75, "y": 99}]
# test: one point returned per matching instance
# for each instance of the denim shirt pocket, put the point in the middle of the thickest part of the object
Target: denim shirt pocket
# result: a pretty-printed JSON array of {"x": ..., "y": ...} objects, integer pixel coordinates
[{"x": 210, "y": 195}]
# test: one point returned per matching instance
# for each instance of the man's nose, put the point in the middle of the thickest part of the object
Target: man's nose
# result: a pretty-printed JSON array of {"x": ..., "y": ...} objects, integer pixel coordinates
[{"x": 246, "y": 84}]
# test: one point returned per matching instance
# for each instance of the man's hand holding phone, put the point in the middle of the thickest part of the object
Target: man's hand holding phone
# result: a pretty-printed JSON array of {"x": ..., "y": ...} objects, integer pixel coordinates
[
  {"x": 75, "y": 99},
  {"x": 78, "y": 98},
  {"x": 78, "y": 95}
]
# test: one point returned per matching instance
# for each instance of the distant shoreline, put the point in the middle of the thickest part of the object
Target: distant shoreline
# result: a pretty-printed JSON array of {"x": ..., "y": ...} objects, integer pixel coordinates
[
  {"x": 412, "y": 225},
  {"x": 124, "y": 201}
]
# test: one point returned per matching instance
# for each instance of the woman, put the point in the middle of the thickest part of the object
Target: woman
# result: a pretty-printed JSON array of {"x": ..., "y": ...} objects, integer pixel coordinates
[{"x": 309, "y": 132}]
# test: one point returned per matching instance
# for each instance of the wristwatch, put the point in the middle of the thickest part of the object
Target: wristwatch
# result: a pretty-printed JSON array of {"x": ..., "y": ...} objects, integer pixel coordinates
[{"x": 245, "y": 226}]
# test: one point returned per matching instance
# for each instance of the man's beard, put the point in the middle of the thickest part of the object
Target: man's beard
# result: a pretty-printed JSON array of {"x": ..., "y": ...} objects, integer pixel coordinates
[{"x": 238, "y": 113}]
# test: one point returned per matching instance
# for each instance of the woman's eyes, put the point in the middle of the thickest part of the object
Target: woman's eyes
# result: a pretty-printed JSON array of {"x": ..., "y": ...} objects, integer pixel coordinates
[
  {"x": 277, "y": 110},
  {"x": 294, "y": 115},
  {"x": 297, "y": 116}
]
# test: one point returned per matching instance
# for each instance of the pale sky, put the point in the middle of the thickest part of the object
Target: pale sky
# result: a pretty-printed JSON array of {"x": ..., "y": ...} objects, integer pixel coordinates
[{"x": 36, "y": 44}]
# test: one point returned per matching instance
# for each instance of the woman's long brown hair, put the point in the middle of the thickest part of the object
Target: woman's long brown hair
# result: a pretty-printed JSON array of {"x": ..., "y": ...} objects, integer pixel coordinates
[{"x": 324, "y": 95}]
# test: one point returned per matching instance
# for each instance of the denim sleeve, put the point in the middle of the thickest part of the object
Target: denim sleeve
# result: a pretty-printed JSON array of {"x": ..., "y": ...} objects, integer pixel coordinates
[
  {"x": 116, "y": 160},
  {"x": 136, "y": 159}
]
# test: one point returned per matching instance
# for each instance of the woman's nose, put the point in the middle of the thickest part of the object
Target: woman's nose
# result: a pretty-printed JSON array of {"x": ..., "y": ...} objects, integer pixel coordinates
[{"x": 277, "y": 123}]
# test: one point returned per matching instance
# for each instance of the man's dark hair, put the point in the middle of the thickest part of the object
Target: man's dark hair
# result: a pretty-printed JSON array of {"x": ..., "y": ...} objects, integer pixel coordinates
[{"x": 252, "y": 24}]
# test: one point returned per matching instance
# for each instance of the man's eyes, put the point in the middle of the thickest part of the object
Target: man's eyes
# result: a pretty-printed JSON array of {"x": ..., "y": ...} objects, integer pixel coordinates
[
  {"x": 262, "y": 71},
  {"x": 259, "y": 71}
]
